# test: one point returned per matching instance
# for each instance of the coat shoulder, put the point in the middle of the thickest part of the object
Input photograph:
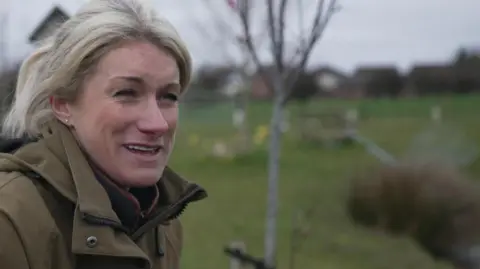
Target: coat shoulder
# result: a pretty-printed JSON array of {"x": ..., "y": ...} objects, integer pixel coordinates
[
  {"x": 20, "y": 198},
  {"x": 22, "y": 204}
]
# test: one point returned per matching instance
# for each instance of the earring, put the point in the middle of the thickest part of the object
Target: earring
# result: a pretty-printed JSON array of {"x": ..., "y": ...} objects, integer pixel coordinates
[{"x": 66, "y": 121}]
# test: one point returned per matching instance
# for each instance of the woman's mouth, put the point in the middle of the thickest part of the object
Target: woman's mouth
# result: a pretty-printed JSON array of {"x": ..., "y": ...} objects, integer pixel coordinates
[{"x": 143, "y": 149}]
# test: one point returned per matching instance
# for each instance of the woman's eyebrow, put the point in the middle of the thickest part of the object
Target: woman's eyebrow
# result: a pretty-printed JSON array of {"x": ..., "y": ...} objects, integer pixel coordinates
[{"x": 135, "y": 79}]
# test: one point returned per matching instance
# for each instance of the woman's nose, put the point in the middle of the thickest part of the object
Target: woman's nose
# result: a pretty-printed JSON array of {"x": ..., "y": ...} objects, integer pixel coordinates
[{"x": 153, "y": 120}]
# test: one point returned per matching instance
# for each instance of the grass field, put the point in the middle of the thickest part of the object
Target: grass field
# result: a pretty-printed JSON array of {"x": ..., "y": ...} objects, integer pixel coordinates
[{"x": 310, "y": 176}]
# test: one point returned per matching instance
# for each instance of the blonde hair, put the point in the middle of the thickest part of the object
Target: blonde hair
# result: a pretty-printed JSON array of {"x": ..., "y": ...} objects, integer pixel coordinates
[{"x": 61, "y": 63}]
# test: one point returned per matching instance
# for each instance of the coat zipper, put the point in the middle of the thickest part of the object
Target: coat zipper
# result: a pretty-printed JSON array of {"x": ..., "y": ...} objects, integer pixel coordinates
[{"x": 172, "y": 212}]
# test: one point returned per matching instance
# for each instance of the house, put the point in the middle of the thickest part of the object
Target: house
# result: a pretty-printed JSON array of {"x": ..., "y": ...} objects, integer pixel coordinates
[
  {"x": 467, "y": 68},
  {"x": 429, "y": 79},
  {"x": 259, "y": 88},
  {"x": 55, "y": 17},
  {"x": 322, "y": 81},
  {"x": 467, "y": 53},
  {"x": 234, "y": 84},
  {"x": 374, "y": 81},
  {"x": 328, "y": 80},
  {"x": 223, "y": 79}
]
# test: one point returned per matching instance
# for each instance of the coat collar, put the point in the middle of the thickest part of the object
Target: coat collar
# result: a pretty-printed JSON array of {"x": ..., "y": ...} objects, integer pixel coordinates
[{"x": 57, "y": 158}]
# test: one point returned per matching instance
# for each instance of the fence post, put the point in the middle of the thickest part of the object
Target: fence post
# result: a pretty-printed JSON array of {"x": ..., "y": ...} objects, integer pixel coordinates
[
  {"x": 351, "y": 118},
  {"x": 436, "y": 114},
  {"x": 234, "y": 262},
  {"x": 238, "y": 117}
]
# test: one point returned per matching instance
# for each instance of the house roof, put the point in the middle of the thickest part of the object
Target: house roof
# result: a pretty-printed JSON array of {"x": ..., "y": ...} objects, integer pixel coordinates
[
  {"x": 431, "y": 70},
  {"x": 366, "y": 73},
  {"x": 375, "y": 69},
  {"x": 472, "y": 50},
  {"x": 329, "y": 69},
  {"x": 55, "y": 13}
]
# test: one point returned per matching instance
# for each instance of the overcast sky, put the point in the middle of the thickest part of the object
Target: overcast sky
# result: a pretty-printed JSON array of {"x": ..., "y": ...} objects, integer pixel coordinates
[{"x": 364, "y": 32}]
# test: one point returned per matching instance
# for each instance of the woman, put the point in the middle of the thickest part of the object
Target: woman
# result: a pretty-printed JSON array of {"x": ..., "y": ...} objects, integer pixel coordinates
[{"x": 95, "y": 111}]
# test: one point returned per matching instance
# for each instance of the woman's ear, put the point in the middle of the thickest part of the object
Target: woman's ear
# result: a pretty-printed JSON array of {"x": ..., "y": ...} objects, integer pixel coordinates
[{"x": 61, "y": 109}]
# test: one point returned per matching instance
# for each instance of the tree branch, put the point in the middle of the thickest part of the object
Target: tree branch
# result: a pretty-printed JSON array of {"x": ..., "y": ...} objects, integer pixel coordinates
[
  {"x": 223, "y": 31},
  {"x": 281, "y": 36},
  {"x": 244, "y": 14},
  {"x": 301, "y": 17},
  {"x": 272, "y": 32},
  {"x": 318, "y": 28},
  {"x": 319, "y": 24}
]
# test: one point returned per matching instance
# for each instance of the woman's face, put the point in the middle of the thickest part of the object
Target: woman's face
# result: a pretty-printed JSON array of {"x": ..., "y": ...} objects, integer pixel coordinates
[{"x": 126, "y": 116}]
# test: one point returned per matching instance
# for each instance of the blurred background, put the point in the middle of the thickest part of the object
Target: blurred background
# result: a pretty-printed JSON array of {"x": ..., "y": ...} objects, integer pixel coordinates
[{"x": 405, "y": 75}]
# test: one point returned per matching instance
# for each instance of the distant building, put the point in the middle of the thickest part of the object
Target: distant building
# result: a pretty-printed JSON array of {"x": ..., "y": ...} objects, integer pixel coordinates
[
  {"x": 54, "y": 18},
  {"x": 467, "y": 67},
  {"x": 326, "y": 81},
  {"x": 469, "y": 52},
  {"x": 430, "y": 79},
  {"x": 260, "y": 89},
  {"x": 374, "y": 81},
  {"x": 329, "y": 80}
]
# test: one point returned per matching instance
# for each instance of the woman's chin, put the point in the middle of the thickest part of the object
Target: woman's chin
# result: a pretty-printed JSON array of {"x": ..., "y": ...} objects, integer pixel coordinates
[{"x": 141, "y": 178}]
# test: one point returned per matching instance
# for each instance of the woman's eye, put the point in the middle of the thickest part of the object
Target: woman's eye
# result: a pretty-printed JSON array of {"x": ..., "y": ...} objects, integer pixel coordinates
[
  {"x": 169, "y": 97},
  {"x": 126, "y": 93}
]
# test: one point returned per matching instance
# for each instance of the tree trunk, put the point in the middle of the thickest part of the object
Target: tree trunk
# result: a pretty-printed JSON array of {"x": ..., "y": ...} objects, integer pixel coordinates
[{"x": 273, "y": 175}]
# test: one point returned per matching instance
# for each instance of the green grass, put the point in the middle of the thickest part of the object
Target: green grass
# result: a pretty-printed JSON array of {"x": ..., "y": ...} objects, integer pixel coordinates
[{"x": 310, "y": 176}]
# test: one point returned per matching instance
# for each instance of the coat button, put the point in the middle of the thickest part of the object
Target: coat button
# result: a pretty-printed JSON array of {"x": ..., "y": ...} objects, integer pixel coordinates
[{"x": 92, "y": 241}]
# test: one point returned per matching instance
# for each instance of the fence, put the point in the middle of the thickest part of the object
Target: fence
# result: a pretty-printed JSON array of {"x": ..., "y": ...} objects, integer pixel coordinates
[{"x": 239, "y": 259}]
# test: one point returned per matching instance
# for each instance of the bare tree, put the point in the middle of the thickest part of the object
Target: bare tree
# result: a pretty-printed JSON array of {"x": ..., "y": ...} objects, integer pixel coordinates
[
  {"x": 281, "y": 79},
  {"x": 289, "y": 51}
]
